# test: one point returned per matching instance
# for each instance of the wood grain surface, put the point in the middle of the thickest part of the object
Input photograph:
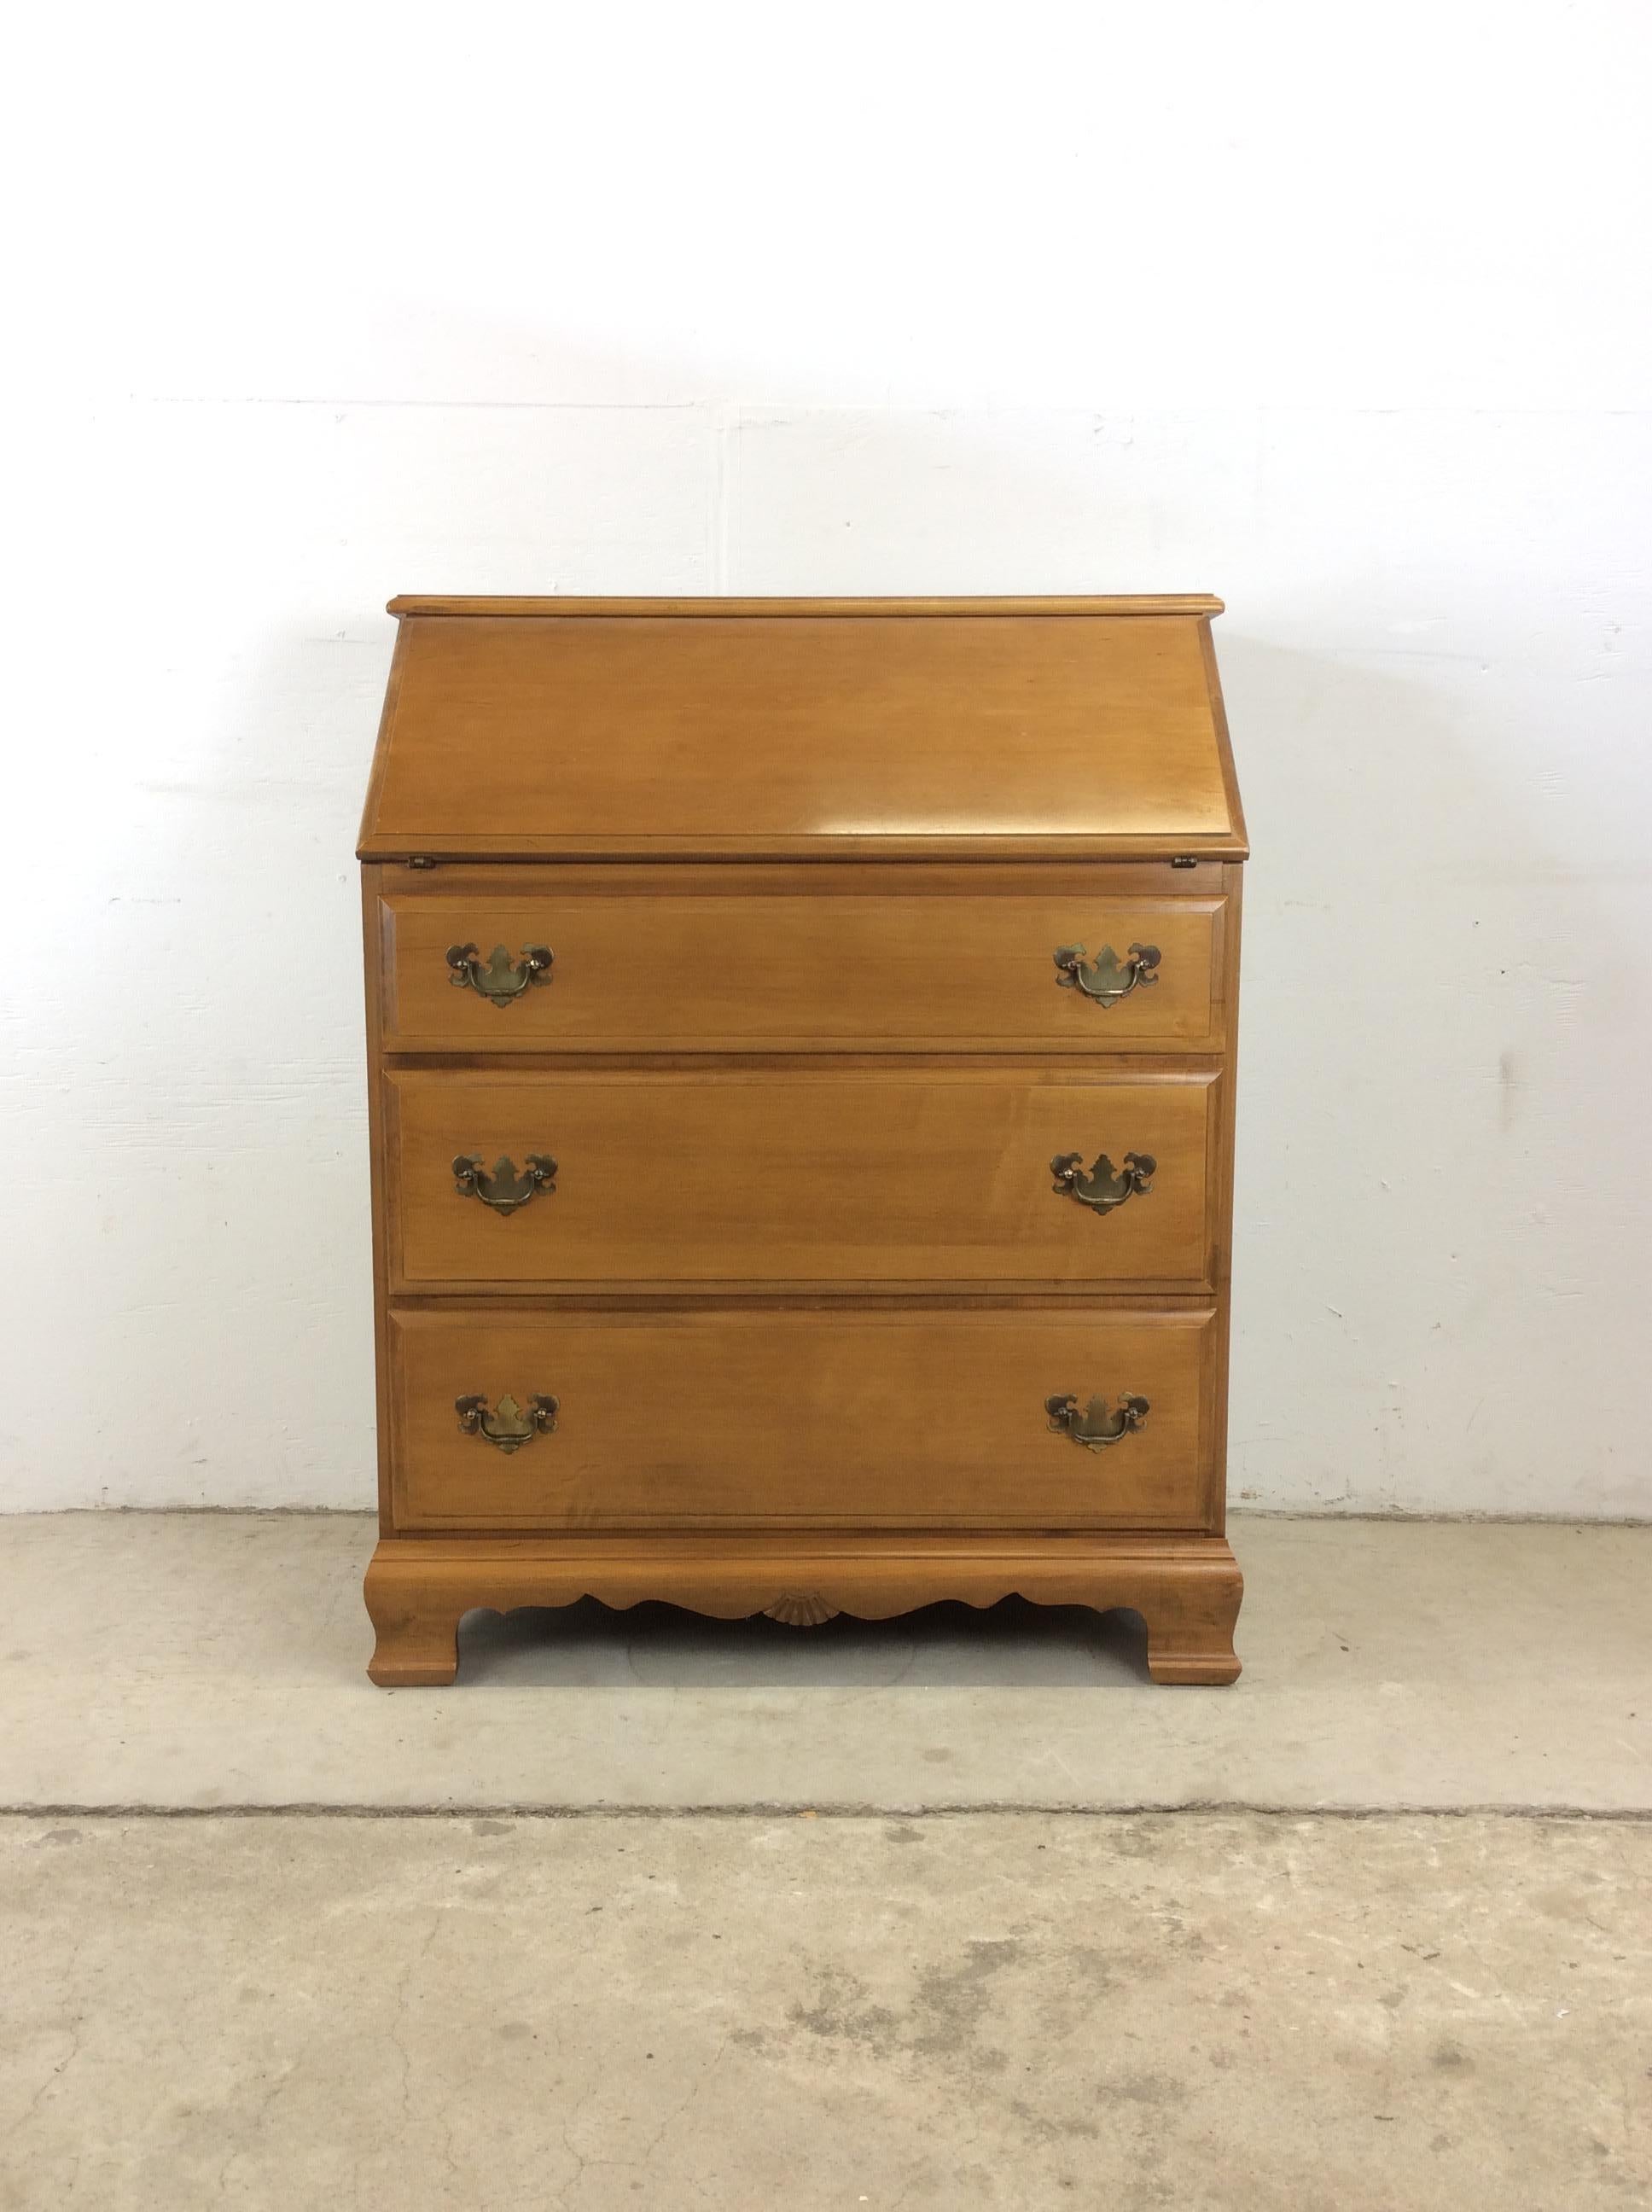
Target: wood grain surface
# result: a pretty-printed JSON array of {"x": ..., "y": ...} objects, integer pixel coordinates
[
  {"x": 803, "y": 1283},
  {"x": 516, "y": 735},
  {"x": 824, "y": 1418},
  {"x": 931, "y": 1176},
  {"x": 898, "y": 959},
  {"x": 1187, "y": 1588}
]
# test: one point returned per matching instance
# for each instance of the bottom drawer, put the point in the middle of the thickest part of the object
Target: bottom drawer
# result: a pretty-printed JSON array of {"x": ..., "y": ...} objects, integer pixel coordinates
[{"x": 833, "y": 1418}]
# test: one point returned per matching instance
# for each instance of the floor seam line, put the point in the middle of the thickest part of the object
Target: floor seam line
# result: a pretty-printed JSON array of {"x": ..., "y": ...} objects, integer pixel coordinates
[{"x": 845, "y": 1810}]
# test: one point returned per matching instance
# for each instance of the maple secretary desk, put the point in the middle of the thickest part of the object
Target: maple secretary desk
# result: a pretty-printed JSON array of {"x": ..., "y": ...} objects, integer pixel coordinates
[{"x": 801, "y": 1056}]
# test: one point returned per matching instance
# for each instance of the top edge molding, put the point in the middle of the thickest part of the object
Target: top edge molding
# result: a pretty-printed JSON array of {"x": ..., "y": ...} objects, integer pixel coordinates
[{"x": 1201, "y": 604}]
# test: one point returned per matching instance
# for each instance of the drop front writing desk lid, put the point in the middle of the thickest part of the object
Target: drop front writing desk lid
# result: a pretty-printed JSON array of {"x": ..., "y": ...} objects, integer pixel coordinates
[{"x": 523, "y": 729}]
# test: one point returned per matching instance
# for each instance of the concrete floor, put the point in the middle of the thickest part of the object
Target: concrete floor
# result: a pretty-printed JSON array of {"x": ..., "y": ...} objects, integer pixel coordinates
[
  {"x": 209, "y": 1999},
  {"x": 204, "y": 1660},
  {"x": 987, "y": 2010}
]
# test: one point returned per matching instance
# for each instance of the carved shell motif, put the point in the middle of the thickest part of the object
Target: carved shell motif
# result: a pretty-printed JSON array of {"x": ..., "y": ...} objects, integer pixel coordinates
[{"x": 800, "y": 1609}]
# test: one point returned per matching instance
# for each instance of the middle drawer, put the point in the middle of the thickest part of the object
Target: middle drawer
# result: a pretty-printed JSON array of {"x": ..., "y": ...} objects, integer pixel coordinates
[{"x": 836, "y": 1179}]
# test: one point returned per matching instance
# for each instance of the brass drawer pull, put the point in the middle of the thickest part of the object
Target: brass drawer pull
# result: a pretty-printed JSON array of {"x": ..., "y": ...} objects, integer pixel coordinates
[
  {"x": 1096, "y": 1427},
  {"x": 1105, "y": 1185},
  {"x": 504, "y": 1189},
  {"x": 499, "y": 979},
  {"x": 506, "y": 1425},
  {"x": 1107, "y": 979}
]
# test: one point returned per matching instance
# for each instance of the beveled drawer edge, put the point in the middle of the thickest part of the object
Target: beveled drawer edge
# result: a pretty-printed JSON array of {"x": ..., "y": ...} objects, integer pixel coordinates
[
  {"x": 1204, "y": 881},
  {"x": 660, "y": 1293},
  {"x": 793, "y": 1056},
  {"x": 1200, "y": 1306}
]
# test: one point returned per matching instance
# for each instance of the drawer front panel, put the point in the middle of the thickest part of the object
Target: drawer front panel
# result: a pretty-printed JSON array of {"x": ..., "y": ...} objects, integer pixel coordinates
[
  {"x": 835, "y": 1419},
  {"x": 656, "y": 967},
  {"x": 842, "y": 1178}
]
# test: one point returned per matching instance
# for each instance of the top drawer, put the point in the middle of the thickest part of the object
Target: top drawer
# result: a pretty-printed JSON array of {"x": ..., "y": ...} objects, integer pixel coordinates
[{"x": 823, "y": 957}]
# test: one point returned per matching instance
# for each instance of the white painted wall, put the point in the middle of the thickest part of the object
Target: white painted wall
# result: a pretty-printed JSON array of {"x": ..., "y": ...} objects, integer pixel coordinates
[{"x": 1341, "y": 313}]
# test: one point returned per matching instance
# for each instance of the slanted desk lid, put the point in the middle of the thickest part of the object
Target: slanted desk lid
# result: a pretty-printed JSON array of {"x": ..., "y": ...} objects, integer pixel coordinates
[{"x": 530, "y": 729}]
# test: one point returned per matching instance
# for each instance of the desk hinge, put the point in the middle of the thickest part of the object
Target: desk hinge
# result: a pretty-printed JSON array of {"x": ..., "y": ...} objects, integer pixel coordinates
[
  {"x": 1183, "y": 860},
  {"x": 420, "y": 860}
]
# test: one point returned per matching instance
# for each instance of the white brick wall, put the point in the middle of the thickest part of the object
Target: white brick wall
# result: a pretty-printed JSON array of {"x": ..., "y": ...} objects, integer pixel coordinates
[{"x": 1344, "y": 316}]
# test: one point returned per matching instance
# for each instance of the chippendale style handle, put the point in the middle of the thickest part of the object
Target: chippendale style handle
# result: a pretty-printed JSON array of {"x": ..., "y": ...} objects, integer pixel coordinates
[
  {"x": 1107, "y": 979},
  {"x": 504, "y": 1189},
  {"x": 1096, "y": 1427},
  {"x": 499, "y": 979},
  {"x": 1104, "y": 1187},
  {"x": 506, "y": 1425}
]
